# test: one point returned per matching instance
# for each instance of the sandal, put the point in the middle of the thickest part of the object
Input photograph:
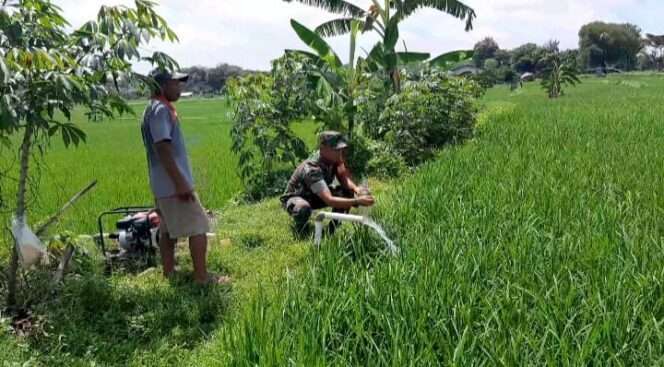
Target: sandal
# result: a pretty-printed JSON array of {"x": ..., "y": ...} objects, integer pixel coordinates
[{"x": 214, "y": 279}]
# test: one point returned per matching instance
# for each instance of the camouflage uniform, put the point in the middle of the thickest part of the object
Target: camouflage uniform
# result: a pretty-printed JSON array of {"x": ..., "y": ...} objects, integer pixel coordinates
[{"x": 299, "y": 199}]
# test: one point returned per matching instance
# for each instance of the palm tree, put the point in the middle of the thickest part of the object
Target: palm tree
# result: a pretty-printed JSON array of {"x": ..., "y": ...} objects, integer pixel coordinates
[{"x": 384, "y": 19}]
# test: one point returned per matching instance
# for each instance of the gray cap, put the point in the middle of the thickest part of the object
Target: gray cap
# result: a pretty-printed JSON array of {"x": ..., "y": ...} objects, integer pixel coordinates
[
  {"x": 333, "y": 139},
  {"x": 161, "y": 76}
]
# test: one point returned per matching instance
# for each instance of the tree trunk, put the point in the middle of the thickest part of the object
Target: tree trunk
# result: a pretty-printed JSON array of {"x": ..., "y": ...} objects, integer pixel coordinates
[
  {"x": 19, "y": 214},
  {"x": 395, "y": 76}
]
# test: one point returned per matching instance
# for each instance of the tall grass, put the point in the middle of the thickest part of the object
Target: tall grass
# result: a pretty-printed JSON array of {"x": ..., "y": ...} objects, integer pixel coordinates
[{"x": 539, "y": 243}]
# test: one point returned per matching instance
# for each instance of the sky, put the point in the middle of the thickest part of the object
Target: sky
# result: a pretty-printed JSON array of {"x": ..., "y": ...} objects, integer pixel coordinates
[{"x": 251, "y": 33}]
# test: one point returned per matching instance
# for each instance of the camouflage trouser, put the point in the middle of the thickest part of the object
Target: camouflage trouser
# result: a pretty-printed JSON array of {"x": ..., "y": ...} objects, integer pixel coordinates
[{"x": 300, "y": 208}]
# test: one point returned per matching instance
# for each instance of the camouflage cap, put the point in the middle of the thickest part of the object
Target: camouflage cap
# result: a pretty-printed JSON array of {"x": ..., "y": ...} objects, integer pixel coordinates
[{"x": 333, "y": 139}]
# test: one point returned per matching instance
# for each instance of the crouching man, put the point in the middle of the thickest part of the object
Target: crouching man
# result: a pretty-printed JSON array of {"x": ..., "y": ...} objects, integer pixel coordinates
[{"x": 310, "y": 187}]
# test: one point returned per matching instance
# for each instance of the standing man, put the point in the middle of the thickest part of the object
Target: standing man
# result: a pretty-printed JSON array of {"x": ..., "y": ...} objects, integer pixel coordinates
[
  {"x": 171, "y": 180},
  {"x": 310, "y": 187}
]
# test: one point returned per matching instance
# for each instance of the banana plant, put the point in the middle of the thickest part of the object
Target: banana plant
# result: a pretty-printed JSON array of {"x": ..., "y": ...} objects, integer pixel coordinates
[
  {"x": 333, "y": 82},
  {"x": 384, "y": 18},
  {"x": 450, "y": 59},
  {"x": 557, "y": 75}
]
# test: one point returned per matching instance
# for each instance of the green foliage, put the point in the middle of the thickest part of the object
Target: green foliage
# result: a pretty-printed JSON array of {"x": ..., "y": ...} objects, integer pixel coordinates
[
  {"x": 251, "y": 241},
  {"x": 45, "y": 72},
  {"x": 146, "y": 320},
  {"x": 358, "y": 156},
  {"x": 384, "y": 20},
  {"x": 484, "y": 50},
  {"x": 371, "y": 98},
  {"x": 209, "y": 81},
  {"x": 206, "y": 123},
  {"x": 507, "y": 75},
  {"x": 493, "y": 72},
  {"x": 264, "y": 108},
  {"x": 503, "y": 57},
  {"x": 121, "y": 321},
  {"x": 314, "y": 41},
  {"x": 44, "y": 69},
  {"x": 450, "y": 59},
  {"x": 385, "y": 163},
  {"x": 324, "y": 88},
  {"x": 490, "y": 72},
  {"x": 428, "y": 114},
  {"x": 432, "y": 110},
  {"x": 527, "y": 58},
  {"x": 484, "y": 80},
  {"x": 82, "y": 262},
  {"x": 378, "y": 15},
  {"x": 559, "y": 74},
  {"x": 330, "y": 85},
  {"x": 609, "y": 44},
  {"x": 491, "y": 65},
  {"x": 653, "y": 55},
  {"x": 571, "y": 220},
  {"x": 301, "y": 85},
  {"x": 537, "y": 245}
]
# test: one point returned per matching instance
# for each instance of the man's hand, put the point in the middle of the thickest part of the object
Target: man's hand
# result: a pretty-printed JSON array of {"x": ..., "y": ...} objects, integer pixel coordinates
[
  {"x": 183, "y": 192},
  {"x": 365, "y": 200},
  {"x": 362, "y": 191},
  {"x": 182, "y": 189}
]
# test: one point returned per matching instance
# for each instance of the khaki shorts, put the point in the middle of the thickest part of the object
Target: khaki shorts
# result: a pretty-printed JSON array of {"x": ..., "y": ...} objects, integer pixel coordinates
[{"x": 182, "y": 218}]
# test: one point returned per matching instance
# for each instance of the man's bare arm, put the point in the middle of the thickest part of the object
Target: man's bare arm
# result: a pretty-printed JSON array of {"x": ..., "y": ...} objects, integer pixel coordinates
[
  {"x": 165, "y": 152},
  {"x": 344, "y": 203},
  {"x": 345, "y": 180}
]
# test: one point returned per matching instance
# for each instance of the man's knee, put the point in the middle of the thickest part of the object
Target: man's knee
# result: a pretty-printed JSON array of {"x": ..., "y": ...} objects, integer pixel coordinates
[
  {"x": 166, "y": 240},
  {"x": 198, "y": 239},
  {"x": 301, "y": 211},
  {"x": 297, "y": 205}
]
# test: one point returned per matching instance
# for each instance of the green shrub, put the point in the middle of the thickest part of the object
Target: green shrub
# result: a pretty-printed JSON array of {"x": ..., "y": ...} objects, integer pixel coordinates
[
  {"x": 428, "y": 114},
  {"x": 265, "y": 106},
  {"x": 261, "y": 185},
  {"x": 370, "y": 101},
  {"x": 384, "y": 162},
  {"x": 252, "y": 240},
  {"x": 358, "y": 156}
]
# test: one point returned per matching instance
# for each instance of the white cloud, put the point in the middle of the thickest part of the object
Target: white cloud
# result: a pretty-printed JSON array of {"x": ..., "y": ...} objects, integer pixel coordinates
[{"x": 250, "y": 33}]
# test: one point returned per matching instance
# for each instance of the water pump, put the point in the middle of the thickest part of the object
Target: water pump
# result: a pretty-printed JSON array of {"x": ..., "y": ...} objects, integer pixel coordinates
[{"x": 137, "y": 231}]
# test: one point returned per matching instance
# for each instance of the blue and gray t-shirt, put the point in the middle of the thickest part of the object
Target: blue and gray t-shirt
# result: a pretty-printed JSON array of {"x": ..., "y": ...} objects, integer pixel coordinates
[{"x": 158, "y": 125}]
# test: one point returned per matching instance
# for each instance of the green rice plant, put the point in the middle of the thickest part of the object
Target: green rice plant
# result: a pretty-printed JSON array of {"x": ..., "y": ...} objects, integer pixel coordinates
[{"x": 538, "y": 243}]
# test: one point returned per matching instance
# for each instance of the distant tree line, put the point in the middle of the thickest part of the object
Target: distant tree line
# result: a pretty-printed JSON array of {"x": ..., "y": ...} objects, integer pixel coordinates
[
  {"x": 203, "y": 81},
  {"x": 210, "y": 81},
  {"x": 603, "y": 47}
]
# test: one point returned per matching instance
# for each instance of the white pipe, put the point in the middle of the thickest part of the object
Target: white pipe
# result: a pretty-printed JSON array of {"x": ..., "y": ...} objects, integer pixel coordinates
[
  {"x": 318, "y": 236},
  {"x": 339, "y": 216}
]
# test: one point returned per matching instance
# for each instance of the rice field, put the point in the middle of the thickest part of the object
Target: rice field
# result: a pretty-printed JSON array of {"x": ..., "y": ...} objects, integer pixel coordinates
[
  {"x": 539, "y": 242},
  {"x": 114, "y": 156}
]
